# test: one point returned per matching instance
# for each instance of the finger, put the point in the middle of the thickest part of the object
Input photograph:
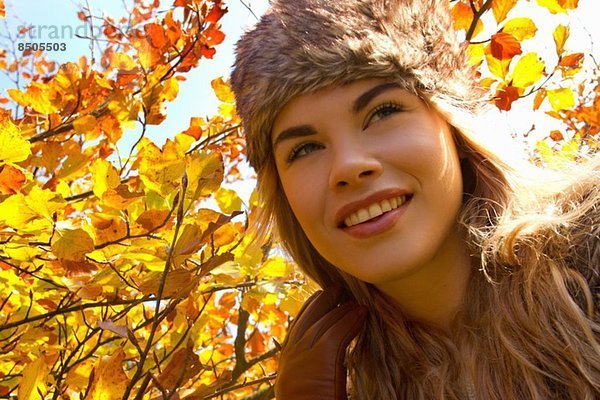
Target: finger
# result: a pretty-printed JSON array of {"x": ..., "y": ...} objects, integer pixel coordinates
[{"x": 322, "y": 304}]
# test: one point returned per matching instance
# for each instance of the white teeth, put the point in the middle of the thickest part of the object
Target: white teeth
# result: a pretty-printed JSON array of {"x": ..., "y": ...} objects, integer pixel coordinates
[
  {"x": 385, "y": 206},
  {"x": 374, "y": 210}
]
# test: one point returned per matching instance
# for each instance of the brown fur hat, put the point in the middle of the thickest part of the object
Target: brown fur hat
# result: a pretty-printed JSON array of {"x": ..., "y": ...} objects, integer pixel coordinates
[{"x": 299, "y": 46}]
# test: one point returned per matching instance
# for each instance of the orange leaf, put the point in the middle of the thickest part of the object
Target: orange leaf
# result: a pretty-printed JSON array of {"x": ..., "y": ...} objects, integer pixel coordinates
[
  {"x": 556, "y": 135},
  {"x": 539, "y": 98},
  {"x": 505, "y": 98},
  {"x": 184, "y": 365},
  {"x": 462, "y": 16},
  {"x": 11, "y": 179},
  {"x": 151, "y": 219},
  {"x": 155, "y": 35},
  {"x": 572, "y": 60},
  {"x": 505, "y": 46},
  {"x": 256, "y": 343}
]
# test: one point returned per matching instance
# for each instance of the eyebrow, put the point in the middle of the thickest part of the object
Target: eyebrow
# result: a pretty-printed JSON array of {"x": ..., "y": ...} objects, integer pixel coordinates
[
  {"x": 361, "y": 102},
  {"x": 364, "y": 99}
]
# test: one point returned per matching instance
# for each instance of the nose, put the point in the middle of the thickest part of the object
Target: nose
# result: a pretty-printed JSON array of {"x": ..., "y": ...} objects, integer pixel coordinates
[{"x": 352, "y": 164}]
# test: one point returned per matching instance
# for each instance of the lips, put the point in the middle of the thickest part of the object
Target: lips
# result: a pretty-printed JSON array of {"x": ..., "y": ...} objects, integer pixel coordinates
[{"x": 371, "y": 207}]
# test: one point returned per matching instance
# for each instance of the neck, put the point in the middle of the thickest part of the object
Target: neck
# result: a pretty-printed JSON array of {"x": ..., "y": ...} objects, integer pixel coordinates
[{"x": 434, "y": 293}]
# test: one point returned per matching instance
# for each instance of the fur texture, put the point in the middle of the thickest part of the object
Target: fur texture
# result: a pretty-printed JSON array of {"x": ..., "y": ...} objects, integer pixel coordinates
[{"x": 300, "y": 46}]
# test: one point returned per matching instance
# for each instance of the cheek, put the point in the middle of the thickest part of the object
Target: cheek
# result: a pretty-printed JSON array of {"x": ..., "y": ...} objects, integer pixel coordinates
[{"x": 303, "y": 196}]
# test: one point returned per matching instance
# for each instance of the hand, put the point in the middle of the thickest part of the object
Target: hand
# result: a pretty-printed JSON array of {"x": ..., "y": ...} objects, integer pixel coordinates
[{"x": 311, "y": 365}]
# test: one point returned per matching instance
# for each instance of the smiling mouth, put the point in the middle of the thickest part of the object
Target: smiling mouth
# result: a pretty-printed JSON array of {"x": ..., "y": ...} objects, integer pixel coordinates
[{"x": 374, "y": 211}]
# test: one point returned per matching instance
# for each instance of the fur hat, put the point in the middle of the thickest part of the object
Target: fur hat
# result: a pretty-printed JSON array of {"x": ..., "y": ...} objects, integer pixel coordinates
[{"x": 299, "y": 46}]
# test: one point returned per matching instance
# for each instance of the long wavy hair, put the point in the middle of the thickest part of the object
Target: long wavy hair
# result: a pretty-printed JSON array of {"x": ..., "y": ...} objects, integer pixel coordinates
[{"x": 529, "y": 328}]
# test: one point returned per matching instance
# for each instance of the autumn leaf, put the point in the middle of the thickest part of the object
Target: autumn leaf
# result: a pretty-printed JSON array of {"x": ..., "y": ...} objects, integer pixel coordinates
[
  {"x": 558, "y": 6},
  {"x": 11, "y": 179},
  {"x": 504, "y": 46},
  {"x": 463, "y": 16},
  {"x": 561, "y": 99},
  {"x": 183, "y": 366},
  {"x": 539, "y": 98},
  {"x": 505, "y": 98},
  {"x": 228, "y": 200},
  {"x": 33, "y": 381},
  {"x": 521, "y": 28},
  {"x": 85, "y": 124},
  {"x": 73, "y": 245},
  {"x": 222, "y": 90},
  {"x": 13, "y": 148},
  {"x": 528, "y": 70},
  {"x": 2, "y": 9},
  {"x": 110, "y": 380},
  {"x": 501, "y": 8},
  {"x": 561, "y": 34},
  {"x": 104, "y": 176}
]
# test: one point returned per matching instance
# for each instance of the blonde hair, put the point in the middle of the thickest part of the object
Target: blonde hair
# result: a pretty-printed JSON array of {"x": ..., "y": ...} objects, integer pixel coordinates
[{"x": 528, "y": 329}]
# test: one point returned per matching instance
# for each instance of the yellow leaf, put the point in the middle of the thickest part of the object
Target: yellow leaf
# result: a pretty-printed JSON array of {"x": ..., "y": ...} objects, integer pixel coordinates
[
  {"x": 561, "y": 34},
  {"x": 558, "y": 6},
  {"x": 72, "y": 245},
  {"x": 500, "y": 8},
  {"x": 552, "y": 5},
  {"x": 497, "y": 67},
  {"x": 228, "y": 200},
  {"x": 38, "y": 97},
  {"x": 44, "y": 202},
  {"x": 170, "y": 89},
  {"x": 276, "y": 268},
  {"x": 520, "y": 28},
  {"x": 179, "y": 283},
  {"x": 222, "y": 90},
  {"x": 14, "y": 212},
  {"x": 104, "y": 176},
  {"x": 122, "y": 61},
  {"x": 33, "y": 381},
  {"x": 476, "y": 53},
  {"x": 110, "y": 381},
  {"x": 85, "y": 124},
  {"x": 528, "y": 70},
  {"x": 561, "y": 99},
  {"x": 13, "y": 148},
  {"x": 205, "y": 173}
]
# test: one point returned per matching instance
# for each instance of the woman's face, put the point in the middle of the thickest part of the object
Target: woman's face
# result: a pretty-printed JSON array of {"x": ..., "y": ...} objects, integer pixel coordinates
[{"x": 373, "y": 176}]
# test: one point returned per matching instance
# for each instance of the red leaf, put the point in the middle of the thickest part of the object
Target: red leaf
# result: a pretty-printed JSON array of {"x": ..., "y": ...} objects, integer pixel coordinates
[
  {"x": 504, "y": 46},
  {"x": 505, "y": 98},
  {"x": 215, "y": 14},
  {"x": 156, "y": 35}
]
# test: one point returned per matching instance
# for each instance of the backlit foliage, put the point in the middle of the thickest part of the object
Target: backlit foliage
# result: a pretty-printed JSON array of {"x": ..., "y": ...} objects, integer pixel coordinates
[{"x": 132, "y": 275}]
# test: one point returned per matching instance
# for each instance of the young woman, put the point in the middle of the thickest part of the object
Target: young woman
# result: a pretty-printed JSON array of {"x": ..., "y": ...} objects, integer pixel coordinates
[{"x": 448, "y": 273}]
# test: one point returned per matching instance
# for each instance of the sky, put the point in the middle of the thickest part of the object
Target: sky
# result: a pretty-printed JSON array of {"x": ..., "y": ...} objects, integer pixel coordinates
[{"x": 196, "y": 97}]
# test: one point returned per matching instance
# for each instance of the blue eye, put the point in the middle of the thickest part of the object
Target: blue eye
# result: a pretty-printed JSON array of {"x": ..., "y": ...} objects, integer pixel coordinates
[
  {"x": 383, "y": 111},
  {"x": 302, "y": 149}
]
